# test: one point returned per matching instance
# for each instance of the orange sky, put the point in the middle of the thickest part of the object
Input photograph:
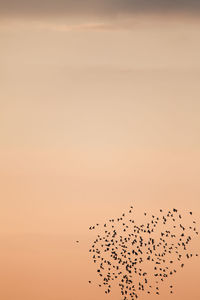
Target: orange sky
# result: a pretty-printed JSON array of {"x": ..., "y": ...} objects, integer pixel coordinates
[{"x": 95, "y": 114}]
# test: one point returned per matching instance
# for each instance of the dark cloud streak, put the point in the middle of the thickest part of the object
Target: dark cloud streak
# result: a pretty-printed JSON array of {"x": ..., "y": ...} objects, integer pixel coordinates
[{"x": 46, "y": 8}]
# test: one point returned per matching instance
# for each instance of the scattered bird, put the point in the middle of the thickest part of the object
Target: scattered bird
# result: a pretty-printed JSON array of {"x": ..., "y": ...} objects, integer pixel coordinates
[{"x": 122, "y": 251}]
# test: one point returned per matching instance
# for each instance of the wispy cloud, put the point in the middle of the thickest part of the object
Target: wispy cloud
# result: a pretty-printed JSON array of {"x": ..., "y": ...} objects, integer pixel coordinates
[{"x": 106, "y": 8}]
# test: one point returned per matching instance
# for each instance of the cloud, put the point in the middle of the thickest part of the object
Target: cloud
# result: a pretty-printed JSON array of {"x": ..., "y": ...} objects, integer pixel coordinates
[{"x": 100, "y": 8}]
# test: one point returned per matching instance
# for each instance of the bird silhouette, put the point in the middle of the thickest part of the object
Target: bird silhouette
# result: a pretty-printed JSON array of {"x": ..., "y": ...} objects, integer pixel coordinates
[{"x": 139, "y": 257}]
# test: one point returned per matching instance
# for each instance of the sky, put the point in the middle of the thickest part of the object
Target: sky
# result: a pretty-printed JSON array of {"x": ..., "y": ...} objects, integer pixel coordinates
[
  {"x": 99, "y": 109},
  {"x": 95, "y": 7}
]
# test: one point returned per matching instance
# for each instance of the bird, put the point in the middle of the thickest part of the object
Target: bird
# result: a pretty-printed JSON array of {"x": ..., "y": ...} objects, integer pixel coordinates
[{"x": 122, "y": 250}]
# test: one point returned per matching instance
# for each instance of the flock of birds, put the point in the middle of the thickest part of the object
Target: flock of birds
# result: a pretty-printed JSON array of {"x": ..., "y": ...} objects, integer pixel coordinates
[{"x": 140, "y": 258}]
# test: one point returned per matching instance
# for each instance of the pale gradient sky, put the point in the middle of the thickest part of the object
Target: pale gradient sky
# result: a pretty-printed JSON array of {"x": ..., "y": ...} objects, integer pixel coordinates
[{"x": 96, "y": 113}]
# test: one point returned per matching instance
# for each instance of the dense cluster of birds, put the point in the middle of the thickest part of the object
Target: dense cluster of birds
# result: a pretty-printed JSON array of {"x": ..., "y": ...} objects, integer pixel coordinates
[{"x": 141, "y": 257}]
